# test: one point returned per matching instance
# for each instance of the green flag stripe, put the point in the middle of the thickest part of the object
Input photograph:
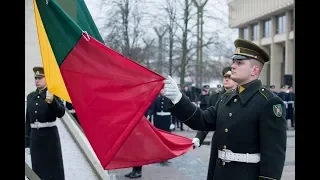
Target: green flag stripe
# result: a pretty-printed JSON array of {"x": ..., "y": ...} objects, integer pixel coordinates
[
  {"x": 79, "y": 13},
  {"x": 63, "y": 33},
  {"x": 85, "y": 21}
]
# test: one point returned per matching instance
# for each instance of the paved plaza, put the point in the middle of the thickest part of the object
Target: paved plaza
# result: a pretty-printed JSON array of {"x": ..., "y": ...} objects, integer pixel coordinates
[{"x": 194, "y": 164}]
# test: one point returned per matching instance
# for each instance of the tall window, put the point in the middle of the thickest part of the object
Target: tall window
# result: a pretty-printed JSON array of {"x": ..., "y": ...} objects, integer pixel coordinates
[
  {"x": 245, "y": 33},
  {"x": 281, "y": 24},
  {"x": 255, "y": 33},
  {"x": 267, "y": 28}
]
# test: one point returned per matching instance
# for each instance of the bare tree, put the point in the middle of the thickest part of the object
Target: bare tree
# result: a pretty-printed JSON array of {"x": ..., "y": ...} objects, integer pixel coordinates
[
  {"x": 126, "y": 31},
  {"x": 199, "y": 67},
  {"x": 123, "y": 27},
  {"x": 171, "y": 11},
  {"x": 160, "y": 33},
  {"x": 147, "y": 51},
  {"x": 184, "y": 42}
]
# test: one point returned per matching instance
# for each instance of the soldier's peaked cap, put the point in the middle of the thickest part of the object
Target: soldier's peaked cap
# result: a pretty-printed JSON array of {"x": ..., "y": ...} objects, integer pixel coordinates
[
  {"x": 38, "y": 71},
  {"x": 226, "y": 72},
  {"x": 246, "y": 49}
]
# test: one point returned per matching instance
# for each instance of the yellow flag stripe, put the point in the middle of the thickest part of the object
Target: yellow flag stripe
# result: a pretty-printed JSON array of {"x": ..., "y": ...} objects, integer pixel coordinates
[{"x": 52, "y": 73}]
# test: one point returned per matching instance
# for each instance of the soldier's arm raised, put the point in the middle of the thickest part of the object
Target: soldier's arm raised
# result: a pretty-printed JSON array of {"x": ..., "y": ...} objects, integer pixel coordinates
[
  {"x": 193, "y": 116},
  {"x": 57, "y": 107},
  {"x": 181, "y": 107},
  {"x": 273, "y": 139}
]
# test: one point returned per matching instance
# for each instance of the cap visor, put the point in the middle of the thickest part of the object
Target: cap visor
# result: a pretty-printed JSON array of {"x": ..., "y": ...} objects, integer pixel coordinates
[{"x": 239, "y": 57}]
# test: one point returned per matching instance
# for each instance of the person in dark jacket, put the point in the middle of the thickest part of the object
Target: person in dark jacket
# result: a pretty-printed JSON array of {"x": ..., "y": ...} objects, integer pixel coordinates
[
  {"x": 273, "y": 89},
  {"x": 203, "y": 100},
  {"x": 228, "y": 85},
  {"x": 249, "y": 123},
  {"x": 41, "y": 133}
]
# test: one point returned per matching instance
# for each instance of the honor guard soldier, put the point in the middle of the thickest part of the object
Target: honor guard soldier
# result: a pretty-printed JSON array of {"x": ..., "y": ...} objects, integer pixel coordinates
[
  {"x": 290, "y": 101},
  {"x": 41, "y": 133},
  {"x": 162, "y": 118},
  {"x": 228, "y": 85},
  {"x": 272, "y": 88},
  {"x": 249, "y": 123}
]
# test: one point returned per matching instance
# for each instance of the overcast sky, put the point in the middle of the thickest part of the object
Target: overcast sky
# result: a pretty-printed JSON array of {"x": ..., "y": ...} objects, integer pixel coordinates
[{"x": 215, "y": 8}]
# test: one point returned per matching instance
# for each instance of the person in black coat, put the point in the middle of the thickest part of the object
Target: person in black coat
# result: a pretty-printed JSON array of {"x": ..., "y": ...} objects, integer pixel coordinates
[
  {"x": 273, "y": 89},
  {"x": 290, "y": 101},
  {"x": 249, "y": 123},
  {"x": 41, "y": 133},
  {"x": 162, "y": 118},
  {"x": 228, "y": 85}
]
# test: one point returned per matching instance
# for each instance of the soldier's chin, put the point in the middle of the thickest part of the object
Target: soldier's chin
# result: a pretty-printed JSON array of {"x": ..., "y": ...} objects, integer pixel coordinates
[{"x": 234, "y": 78}]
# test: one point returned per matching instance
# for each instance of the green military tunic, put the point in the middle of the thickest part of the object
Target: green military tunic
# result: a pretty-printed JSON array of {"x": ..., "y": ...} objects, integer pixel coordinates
[{"x": 252, "y": 121}]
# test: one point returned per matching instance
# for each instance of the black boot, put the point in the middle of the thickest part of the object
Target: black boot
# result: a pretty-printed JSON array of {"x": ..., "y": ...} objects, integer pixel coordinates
[
  {"x": 129, "y": 174},
  {"x": 135, "y": 174}
]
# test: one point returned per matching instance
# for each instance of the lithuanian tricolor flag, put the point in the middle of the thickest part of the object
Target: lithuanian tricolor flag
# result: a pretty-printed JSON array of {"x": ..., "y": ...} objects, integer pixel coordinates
[{"x": 109, "y": 92}]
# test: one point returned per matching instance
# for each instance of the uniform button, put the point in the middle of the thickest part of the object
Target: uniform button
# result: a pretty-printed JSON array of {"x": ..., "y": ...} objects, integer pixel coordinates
[
  {"x": 226, "y": 130},
  {"x": 161, "y": 106},
  {"x": 37, "y": 104},
  {"x": 36, "y": 119},
  {"x": 38, "y": 96},
  {"x": 230, "y": 114},
  {"x": 223, "y": 163},
  {"x": 224, "y": 147},
  {"x": 235, "y": 100},
  {"x": 35, "y": 111},
  {"x": 262, "y": 89},
  {"x": 161, "y": 102}
]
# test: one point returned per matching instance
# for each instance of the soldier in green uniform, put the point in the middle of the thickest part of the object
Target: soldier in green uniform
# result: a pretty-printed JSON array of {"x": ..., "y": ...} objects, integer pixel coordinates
[{"x": 249, "y": 123}]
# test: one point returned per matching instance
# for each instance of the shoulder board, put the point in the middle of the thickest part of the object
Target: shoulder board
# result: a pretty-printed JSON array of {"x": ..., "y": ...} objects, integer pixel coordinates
[
  {"x": 266, "y": 93},
  {"x": 228, "y": 92},
  {"x": 30, "y": 94}
]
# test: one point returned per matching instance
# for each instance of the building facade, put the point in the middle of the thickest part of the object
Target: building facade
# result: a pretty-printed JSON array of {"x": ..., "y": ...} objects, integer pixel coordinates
[{"x": 270, "y": 24}]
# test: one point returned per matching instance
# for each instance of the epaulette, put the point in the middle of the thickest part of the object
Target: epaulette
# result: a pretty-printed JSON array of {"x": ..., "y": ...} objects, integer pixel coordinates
[
  {"x": 228, "y": 92},
  {"x": 30, "y": 94},
  {"x": 266, "y": 93}
]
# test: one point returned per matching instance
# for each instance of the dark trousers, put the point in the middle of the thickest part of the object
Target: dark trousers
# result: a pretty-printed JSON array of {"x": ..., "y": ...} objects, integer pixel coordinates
[
  {"x": 137, "y": 168},
  {"x": 179, "y": 124}
]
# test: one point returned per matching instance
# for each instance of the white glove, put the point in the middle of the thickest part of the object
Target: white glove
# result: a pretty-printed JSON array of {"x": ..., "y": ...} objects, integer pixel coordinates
[
  {"x": 196, "y": 142},
  {"x": 171, "y": 90},
  {"x": 49, "y": 97},
  {"x": 171, "y": 126},
  {"x": 72, "y": 111},
  {"x": 27, "y": 150}
]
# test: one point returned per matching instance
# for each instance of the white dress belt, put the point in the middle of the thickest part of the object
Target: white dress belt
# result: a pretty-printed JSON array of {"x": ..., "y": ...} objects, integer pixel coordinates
[
  {"x": 38, "y": 124},
  {"x": 291, "y": 102},
  {"x": 72, "y": 111},
  {"x": 227, "y": 155},
  {"x": 163, "y": 113}
]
